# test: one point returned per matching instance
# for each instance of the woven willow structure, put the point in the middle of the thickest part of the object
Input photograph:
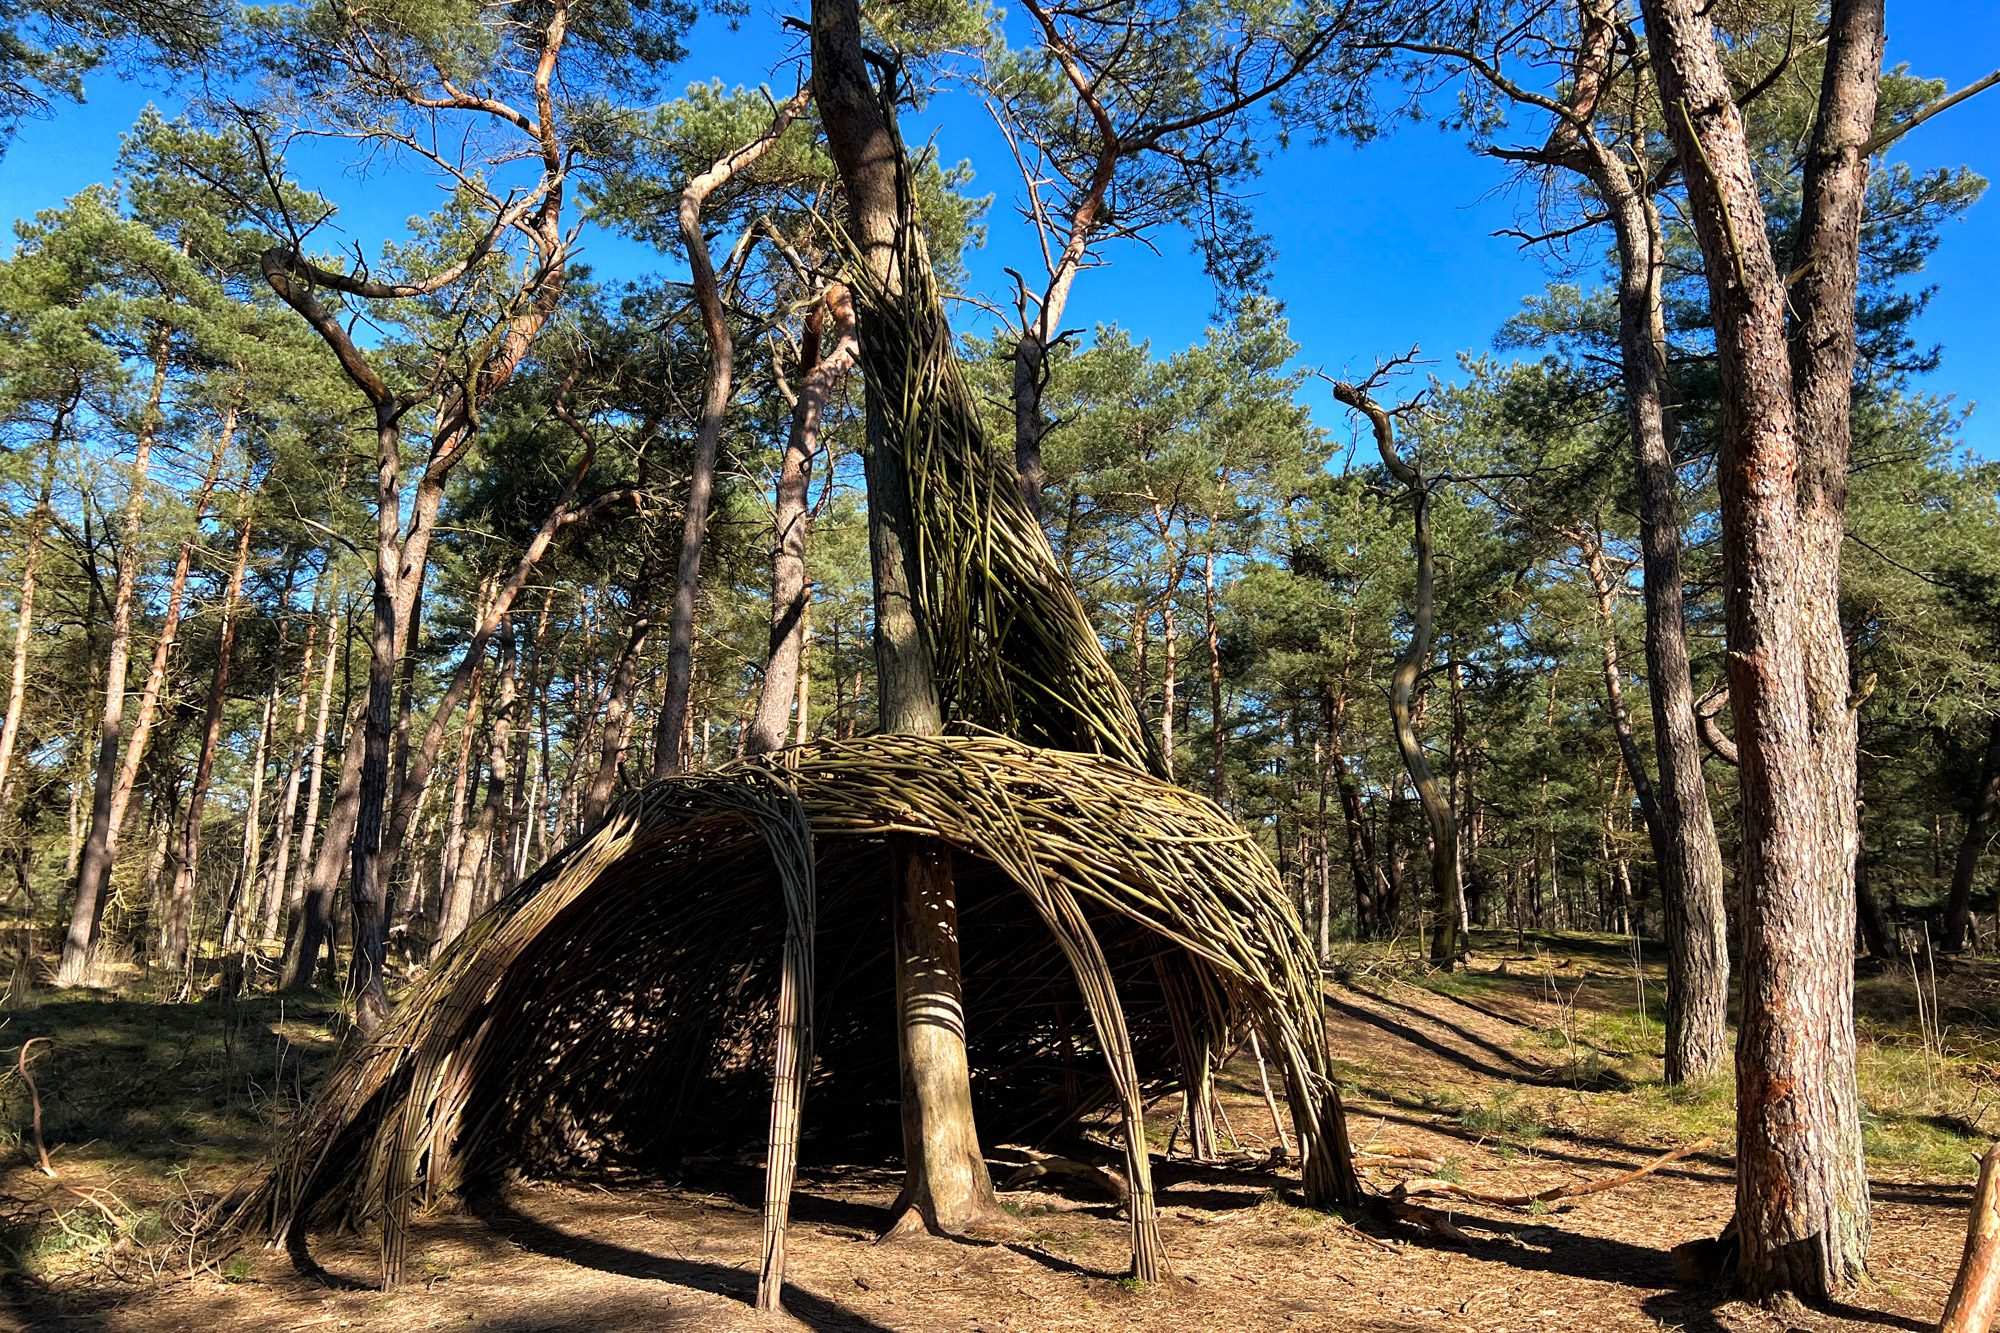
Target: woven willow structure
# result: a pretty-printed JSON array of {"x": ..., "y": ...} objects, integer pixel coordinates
[
  {"x": 656, "y": 981},
  {"x": 720, "y": 944},
  {"x": 1014, "y": 649}
]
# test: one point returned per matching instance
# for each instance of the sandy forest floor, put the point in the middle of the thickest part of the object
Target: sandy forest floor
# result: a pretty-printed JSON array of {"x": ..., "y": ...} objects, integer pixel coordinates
[{"x": 1536, "y": 1070}]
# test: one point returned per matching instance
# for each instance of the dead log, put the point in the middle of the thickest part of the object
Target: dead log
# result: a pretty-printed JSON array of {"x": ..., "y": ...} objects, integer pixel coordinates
[
  {"x": 1100, "y": 1178},
  {"x": 1975, "y": 1296},
  {"x": 1413, "y": 1160},
  {"x": 1430, "y": 1219},
  {"x": 1398, "y": 1150}
]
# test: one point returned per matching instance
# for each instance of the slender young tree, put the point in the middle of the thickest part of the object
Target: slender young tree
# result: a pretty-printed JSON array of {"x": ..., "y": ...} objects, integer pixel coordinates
[
  {"x": 178, "y": 947},
  {"x": 1449, "y": 905},
  {"x": 826, "y": 355}
]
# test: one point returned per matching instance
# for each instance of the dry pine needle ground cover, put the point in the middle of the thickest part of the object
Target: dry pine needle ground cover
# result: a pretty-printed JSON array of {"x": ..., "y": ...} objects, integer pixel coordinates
[{"x": 1537, "y": 1069}]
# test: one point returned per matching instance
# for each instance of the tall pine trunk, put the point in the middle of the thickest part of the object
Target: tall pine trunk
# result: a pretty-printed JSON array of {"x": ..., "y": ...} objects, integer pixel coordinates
[
  {"x": 180, "y": 909},
  {"x": 1449, "y": 906},
  {"x": 667, "y": 756},
  {"x": 1683, "y": 827},
  {"x": 1802, "y": 1220},
  {"x": 93, "y": 875}
]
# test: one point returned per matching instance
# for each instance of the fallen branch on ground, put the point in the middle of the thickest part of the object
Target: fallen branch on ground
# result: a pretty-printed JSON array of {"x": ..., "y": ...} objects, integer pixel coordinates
[
  {"x": 1411, "y": 1188},
  {"x": 1428, "y": 1218},
  {"x": 21, "y": 1067},
  {"x": 1403, "y": 1157},
  {"x": 48, "y": 1168}
]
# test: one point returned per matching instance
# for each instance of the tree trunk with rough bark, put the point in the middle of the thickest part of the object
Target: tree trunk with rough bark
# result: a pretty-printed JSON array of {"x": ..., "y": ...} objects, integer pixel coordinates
[
  {"x": 1683, "y": 828},
  {"x": 1802, "y": 1220}
]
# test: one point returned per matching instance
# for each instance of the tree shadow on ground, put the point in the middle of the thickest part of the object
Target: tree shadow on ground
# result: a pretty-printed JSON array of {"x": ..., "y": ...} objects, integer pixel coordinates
[
  {"x": 1423, "y": 1118},
  {"x": 1531, "y": 1072},
  {"x": 738, "y": 1284},
  {"x": 1514, "y": 1020},
  {"x": 1520, "y": 1073},
  {"x": 1700, "y": 1310}
]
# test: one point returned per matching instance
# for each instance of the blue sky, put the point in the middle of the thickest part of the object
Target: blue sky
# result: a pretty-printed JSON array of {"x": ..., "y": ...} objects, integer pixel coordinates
[{"x": 1378, "y": 247}]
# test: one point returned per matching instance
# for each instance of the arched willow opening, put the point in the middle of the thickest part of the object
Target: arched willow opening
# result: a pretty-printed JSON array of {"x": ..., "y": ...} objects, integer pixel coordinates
[{"x": 721, "y": 941}]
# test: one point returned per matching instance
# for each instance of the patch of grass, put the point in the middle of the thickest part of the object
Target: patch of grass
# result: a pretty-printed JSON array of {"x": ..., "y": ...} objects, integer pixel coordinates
[
  {"x": 1503, "y": 1115},
  {"x": 146, "y": 1107}
]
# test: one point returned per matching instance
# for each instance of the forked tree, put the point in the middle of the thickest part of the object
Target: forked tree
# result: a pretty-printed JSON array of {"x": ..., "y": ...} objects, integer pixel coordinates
[
  {"x": 1448, "y": 888},
  {"x": 1785, "y": 343}
]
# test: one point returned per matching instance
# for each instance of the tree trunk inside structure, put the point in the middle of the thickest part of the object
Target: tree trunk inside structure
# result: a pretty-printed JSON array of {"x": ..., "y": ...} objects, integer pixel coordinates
[
  {"x": 946, "y": 1187},
  {"x": 953, "y": 1189}
]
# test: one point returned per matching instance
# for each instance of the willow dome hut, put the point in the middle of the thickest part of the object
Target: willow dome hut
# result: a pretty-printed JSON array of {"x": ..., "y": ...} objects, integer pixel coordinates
[{"x": 718, "y": 947}]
